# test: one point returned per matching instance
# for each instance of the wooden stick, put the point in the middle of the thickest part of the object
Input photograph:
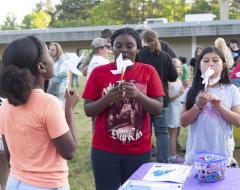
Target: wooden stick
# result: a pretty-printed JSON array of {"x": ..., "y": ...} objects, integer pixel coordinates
[{"x": 70, "y": 78}]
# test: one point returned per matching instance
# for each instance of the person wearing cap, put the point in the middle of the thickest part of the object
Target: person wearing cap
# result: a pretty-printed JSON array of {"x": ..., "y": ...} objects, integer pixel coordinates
[
  {"x": 234, "y": 46},
  {"x": 100, "y": 47}
]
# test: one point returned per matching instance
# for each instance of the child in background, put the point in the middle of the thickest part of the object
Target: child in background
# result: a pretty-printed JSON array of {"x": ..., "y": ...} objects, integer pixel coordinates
[
  {"x": 220, "y": 43},
  {"x": 234, "y": 46},
  {"x": 235, "y": 74},
  {"x": 38, "y": 135},
  {"x": 185, "y": 74},
  {"x": 193, "y": 60},
  {"x": 211, "y": 112},
  {"x": 175, "y": 90},
  {"x": 120, "y": 103}
]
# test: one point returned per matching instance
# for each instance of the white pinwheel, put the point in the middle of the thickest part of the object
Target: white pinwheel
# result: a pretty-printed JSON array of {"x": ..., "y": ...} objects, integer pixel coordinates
[
  {"x": 121, "y": 66},
  {"x": 206, "y": 76}
]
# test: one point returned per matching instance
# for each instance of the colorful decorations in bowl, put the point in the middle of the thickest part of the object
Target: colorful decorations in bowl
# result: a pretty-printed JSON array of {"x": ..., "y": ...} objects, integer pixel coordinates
[{"x": 210, "y": 167}]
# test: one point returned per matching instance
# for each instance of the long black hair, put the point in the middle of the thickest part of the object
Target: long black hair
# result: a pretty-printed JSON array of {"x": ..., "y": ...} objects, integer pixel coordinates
[
  {"x": 19, "y": 68},
  {"x": 197, "y": 85}
]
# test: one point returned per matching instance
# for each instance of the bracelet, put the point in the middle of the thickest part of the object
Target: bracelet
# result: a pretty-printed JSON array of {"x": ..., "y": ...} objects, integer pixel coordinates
[{"x": 197, "y": 107}]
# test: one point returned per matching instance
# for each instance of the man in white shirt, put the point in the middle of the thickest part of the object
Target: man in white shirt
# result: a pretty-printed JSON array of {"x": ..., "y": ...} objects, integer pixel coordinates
[{"x": 100, "y": 48}]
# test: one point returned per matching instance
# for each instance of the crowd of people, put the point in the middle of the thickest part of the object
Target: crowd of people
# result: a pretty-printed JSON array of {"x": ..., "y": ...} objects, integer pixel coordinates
[{"x": 154, "y": 94}]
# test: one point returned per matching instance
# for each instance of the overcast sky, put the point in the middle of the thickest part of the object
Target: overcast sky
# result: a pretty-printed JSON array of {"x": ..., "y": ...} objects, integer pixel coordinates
[{"x": 20, "y": 8}]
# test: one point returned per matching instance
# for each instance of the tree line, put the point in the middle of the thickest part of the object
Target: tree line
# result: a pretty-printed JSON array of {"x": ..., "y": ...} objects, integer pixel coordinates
[{"x": 76, "y": 13}]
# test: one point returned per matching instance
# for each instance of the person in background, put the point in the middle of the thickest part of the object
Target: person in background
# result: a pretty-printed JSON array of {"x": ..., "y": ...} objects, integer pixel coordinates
[
  {"x": 4, "y": 165},
  {"x": 59, "y": 82},
  {"x": 220, "y": 43},
  {"x": 234, "y": 46},
  {"x": 217, "y": 103},
  {"x": 164, "y": 45},
  {"x": 185, "y": 74},
  {"x": 193, "y": 61},
  {"x": 121, "y": 103},
  {"x": 152, "y": 54},
  {"x": 175, "y": 90},
  {"x": 38, "y": 135},
  {"x": 106, "y": 34},
  {"x": 235, "y": 74},
  {"x": 75, "y": 79},
  {"x": 100, "y": 48}
]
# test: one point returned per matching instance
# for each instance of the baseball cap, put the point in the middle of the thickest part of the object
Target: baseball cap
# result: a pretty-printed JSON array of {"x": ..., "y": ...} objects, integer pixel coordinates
[{"x": 100, "y": 42}]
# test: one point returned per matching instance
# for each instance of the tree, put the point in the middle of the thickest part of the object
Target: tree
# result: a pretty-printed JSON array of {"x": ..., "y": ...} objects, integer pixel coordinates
[
  {"x": 71, "y": 13},
  {"x": 27, "y": 22},
  {"x": 203, "y": 6},
  {"x": 174, "y": 10},
  {"x": 108, "y": 12},
  {"x": 10, "y": 22},
  {"x": 37, "y": 19},
  {"x": 234, "y": 10},
  {"x": 74, "y": 12},
  {"x": 136, "y": 11},
  {"x": 47, "y": 7},
  {"x": 40, "y": 17}
]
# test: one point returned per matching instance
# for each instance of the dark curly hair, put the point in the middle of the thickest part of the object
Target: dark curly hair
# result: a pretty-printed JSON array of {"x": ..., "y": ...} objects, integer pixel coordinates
[
  {"x": 19, "y": 68},
  {"x": 130, "y": 31}
]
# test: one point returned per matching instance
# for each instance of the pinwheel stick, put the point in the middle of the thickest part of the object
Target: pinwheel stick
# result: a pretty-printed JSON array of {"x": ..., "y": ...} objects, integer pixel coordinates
[
  {"x": 122, "y": 75},
  {"x": 70, "y": 78}
]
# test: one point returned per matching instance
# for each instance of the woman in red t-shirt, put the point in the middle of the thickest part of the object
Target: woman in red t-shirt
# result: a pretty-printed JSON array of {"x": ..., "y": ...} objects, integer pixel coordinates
[{"x": 121, "y": 103}]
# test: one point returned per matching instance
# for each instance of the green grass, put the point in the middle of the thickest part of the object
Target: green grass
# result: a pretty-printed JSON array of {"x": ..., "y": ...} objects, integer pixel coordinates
[{"x": 80, "y": 173}]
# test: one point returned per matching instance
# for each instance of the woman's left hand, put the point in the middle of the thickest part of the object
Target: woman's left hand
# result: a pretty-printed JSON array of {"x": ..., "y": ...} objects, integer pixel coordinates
[
  {"x": 216, "y": 102},
  {"x": 130, "y": 90}
]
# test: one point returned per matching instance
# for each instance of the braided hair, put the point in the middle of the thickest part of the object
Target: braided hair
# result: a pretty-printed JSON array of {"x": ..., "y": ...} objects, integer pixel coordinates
[
  {"x": 19, "y": 68},
  {"x": 130, "y": 31}
]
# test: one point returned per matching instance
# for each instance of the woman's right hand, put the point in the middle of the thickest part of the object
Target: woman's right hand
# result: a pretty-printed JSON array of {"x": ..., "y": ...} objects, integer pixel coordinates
[
  {"x": 115, "y": 94},
  {"x": 71, "y": 98},
  {"x": 203, "y": 99}
]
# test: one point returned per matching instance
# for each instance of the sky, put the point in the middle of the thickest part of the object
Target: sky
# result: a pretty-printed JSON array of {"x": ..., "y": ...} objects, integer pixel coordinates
[{"x": 20, "y": 8}]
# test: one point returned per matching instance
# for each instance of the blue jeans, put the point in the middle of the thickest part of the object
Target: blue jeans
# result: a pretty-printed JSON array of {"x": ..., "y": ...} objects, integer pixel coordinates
[
  {"x": 111, "y": 170},
  {"x": 161, "y": 134},
  {"x": 15, "y": 184},
  {"x": 235, "y": 81}
]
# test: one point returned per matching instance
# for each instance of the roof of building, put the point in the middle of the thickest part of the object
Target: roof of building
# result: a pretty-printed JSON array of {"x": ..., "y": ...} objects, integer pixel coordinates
[{"x": 178, "y": 29}]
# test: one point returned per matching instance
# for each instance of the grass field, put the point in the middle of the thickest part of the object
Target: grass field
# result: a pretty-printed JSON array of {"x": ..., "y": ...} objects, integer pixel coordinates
[{"x": 80, "y": 174}]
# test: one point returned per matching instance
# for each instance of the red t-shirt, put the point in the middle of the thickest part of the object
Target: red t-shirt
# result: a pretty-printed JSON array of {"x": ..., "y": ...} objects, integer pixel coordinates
[
  {"x": 124, "y": 127},
  {"x": 235, "y": 70}
]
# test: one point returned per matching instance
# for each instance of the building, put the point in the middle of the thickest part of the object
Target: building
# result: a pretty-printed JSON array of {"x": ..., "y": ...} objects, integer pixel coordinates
[{"x": 182, "y": 36}]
